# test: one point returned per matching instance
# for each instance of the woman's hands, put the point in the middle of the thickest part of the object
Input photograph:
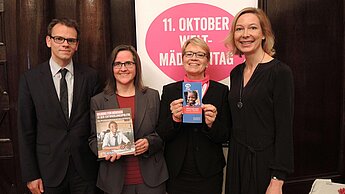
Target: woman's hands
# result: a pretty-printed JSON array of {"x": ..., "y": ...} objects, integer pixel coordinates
[
  {"x": 141, "y": 146},
  {"x": 176, "y": 109},
  {"x": 210, "y": 112},
  {"x": 275, "y": 187},
  {"x": 113, "y": 157}
]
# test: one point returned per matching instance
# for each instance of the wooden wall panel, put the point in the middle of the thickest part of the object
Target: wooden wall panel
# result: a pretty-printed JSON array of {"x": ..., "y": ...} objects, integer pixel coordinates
[
  {"x": 63, "y": 9},
  {"x": 94, "y": 45},
  {"x": 7, "y": 180},
  {"x": 309, "y": 37},
  {"x": 11, "y": 168},
  {"x": 9, "y": 162},
  {"x": 122, "y": 22},
  {"x": 31, "y": 32}
]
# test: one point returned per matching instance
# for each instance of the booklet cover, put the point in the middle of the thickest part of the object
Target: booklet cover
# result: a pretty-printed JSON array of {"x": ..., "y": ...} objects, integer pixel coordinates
[
  {"x": 114, "y": 132},
  {"x": 192, "y": 99}
]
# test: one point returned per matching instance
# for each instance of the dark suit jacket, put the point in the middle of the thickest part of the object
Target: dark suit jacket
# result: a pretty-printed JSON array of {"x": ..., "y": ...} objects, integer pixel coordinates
[
  {"x": 206, "y": 142},
  {"x": 46, "y": 139},
  {"x": 152, "y": 163}
]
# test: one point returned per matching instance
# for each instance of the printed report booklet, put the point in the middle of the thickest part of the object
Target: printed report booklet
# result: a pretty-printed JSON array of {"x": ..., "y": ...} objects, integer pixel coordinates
[{"x": 114, "y": 132}]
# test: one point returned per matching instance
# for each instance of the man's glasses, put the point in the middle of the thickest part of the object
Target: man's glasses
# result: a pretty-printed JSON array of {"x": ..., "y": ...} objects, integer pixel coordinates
[
  {"x": 127, "y": 64},
  {"x": 199, "y": 55},
  {"x": 60, "y": 40}
]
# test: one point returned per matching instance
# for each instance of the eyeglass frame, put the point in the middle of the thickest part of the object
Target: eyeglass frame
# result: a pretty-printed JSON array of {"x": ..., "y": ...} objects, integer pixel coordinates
[
  {"x": 190, "y": 54},
  {"x": 126, "y": 64},
  {"x": 70, "y": 41}
]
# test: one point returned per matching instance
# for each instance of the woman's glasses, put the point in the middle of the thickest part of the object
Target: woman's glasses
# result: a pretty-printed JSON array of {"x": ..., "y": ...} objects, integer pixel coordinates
[
  {"x": 198, "y": 55},
  {"x": 127, "y": 64}
]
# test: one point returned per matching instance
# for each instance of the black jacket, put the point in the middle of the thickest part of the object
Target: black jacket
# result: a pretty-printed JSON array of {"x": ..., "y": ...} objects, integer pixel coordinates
[
  {"x": 46, "y": 139},
  {"x": 206, "y": 142}
]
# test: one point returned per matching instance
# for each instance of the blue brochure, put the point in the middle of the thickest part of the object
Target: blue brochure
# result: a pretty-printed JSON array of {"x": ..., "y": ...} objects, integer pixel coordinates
[{"x": 192, "y": 99}]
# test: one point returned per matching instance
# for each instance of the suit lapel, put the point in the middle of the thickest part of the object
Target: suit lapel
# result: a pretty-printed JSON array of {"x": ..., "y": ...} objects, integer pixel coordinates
[
  {"x": 110, "y": 101},
  {"x": 47, "y": 81},
  {"x": 140, "y": 108},
  {"x": 179, "y": 88},
  {"x": 208, "y": 92}
]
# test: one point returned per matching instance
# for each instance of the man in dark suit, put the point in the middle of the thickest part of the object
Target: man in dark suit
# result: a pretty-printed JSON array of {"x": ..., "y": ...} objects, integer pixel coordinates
[{"x": 53, "y": 118}]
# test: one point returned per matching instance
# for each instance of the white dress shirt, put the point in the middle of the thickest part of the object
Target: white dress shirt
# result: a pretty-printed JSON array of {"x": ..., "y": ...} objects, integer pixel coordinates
[{"x": 55, "y": 68}]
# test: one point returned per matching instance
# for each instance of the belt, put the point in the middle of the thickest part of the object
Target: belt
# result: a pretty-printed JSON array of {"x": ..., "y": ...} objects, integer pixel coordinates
[{"x": 252, "y": 162}]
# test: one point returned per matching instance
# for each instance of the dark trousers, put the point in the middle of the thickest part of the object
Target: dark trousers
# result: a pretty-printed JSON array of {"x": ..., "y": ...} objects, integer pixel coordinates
[
  {"x": 73, "y": 183},
  {"x": 186, "y": 185}
]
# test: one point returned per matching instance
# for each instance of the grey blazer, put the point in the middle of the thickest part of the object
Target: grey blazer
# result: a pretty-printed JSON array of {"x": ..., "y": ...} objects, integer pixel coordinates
[{"x": 152, "y": 163}]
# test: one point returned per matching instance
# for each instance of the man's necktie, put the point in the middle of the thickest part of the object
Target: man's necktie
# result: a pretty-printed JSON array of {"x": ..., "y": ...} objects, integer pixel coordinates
[
  {"x": 64, "y": 93},
  {"x": 115, "y": 137}
]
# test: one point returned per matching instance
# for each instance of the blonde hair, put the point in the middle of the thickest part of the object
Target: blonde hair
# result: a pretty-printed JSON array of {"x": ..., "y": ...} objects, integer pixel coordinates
[
  {"x": 197, "y": 42},
  {"x": 267, "y": 43}
]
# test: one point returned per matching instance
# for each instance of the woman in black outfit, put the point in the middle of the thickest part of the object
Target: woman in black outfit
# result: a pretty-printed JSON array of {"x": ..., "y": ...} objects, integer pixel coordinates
[
  {"x": 261, "y": 102},
  {"x": 193, "y": 152}
]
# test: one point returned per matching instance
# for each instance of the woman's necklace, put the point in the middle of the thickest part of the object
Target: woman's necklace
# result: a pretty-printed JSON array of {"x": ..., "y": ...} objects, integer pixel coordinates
[{"x": 240, "y": 103}]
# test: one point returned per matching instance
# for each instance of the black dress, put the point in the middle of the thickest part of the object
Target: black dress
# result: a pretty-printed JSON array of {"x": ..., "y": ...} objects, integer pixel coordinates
[{"x": 261, "y": 143}]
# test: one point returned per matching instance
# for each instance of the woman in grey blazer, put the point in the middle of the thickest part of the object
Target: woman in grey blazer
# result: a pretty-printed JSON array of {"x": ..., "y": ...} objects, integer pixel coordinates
[{"x": 145, "y": 171}]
